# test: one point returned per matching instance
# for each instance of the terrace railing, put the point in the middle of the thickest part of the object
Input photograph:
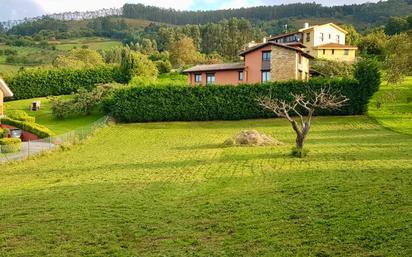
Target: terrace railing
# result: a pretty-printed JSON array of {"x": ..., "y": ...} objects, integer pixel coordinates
[{"x": 36, "y": 147}]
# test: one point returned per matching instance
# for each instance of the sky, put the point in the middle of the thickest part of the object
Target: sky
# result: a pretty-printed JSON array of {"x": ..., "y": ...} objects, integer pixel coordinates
[{"x": 18, "y": 9}]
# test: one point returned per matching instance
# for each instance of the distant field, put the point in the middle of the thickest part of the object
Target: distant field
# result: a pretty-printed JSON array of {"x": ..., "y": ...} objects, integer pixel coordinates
[
  {"x": 6, "y": 69},
  {"x": 392, "y": 106},
  {"x": 92, "y": 43},
  {"x": 44, "y": 57}
]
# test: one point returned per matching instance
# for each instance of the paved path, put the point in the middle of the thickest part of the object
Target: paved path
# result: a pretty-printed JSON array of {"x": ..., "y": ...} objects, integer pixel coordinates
[{"x": 27, "y": 149}]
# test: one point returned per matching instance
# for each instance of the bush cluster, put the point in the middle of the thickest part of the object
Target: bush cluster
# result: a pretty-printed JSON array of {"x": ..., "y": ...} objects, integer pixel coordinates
[
  {"x": 4, "y": 132},
  {"x": 21, "y": 116},
  {"x": 31, "y": 127},
  {"x": 33, "y": 83},
  {"x": 10, "y": 145},
  {"x": 82, "y": 103}
]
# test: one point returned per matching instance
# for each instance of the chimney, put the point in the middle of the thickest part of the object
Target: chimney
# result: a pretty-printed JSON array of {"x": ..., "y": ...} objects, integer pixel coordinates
[
  {"x": 306, "y": 25},
  {"x": 264, "y": 40}
]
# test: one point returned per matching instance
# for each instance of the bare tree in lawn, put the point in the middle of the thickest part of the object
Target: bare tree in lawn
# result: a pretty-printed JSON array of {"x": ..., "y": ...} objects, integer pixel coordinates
[{"x": 300, "y": 110}]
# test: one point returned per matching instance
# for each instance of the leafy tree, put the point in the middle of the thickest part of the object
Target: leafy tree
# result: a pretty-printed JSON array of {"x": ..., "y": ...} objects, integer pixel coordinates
[
  {"x": 353, "y": 37},
  {"x": 183, "y": 52},
  {"x": 332, "y": 68},
  {"x": 398, "y": 58},
  {"x": 373, "y": 43},
  {"x": 396, "y": 25},
  {"x": 143, "y": 66},
  {"x": 82, "y": 103},
  {"x": 79, "y": 58},
  {"x": 127, "y": 64},
  {"x": 163, "y": 66}
]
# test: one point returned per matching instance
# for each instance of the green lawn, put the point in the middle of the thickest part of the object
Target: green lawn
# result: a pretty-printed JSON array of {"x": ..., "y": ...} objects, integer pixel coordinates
[
  {"x": 396, "y": 107},
  {"x": 170, "y": 189},
  {"x": 45, "y": 117}
]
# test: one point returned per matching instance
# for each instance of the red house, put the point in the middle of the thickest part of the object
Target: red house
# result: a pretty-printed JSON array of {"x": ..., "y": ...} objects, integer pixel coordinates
[{"x": 263, "y": 62}]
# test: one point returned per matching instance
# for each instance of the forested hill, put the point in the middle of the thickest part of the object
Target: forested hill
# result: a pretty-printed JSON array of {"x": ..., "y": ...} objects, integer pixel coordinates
[{"x": 373, "y": 13}]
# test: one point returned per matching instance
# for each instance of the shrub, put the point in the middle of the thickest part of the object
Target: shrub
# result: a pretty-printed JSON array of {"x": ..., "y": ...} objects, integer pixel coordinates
[
  {"x": 10, "y": 145},
  {"x": 172, "y": 103},
  {"x": 21, "y": 116},
  {"x": 82, "y": 103},
  {"x": 163, "y": 66},
  {"x": 31, "y": 83},
  {"x": 4, "y": 133},
  {"x": 369, "y": 77},
  {"x": 33, "y": 128},
  {"x": 330, "y": 68}
]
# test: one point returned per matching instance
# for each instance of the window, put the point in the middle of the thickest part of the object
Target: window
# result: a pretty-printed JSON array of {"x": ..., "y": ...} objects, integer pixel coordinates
[
  {"x": 333, "y": 51},
  {"x": 346, "y": 52},
  {"x": 321, "y": 37},
  {"x": 324, "y": 51},
  {"x": 337, "y": 38},
  {"x": 266, "y": 56},
  {"x": 300, "y": 58},
  {"x": 265, "y": 76},
  {"x": 307, "y": 37},
  {"x": 240, "y": 75},
  {"x": 330, "y": 36},
  {"x": 198, "y": 78},
  {"x": 210, "y": 78},
  {"x": 300, "y": 74}
]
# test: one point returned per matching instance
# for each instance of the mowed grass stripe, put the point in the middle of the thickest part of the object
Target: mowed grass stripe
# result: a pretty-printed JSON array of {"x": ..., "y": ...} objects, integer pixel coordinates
[{"x": 171, "y": 189}]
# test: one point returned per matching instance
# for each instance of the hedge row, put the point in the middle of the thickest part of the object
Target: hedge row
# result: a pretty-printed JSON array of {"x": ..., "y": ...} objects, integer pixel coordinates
[
  {"x": 33, "y": 128},
  {"x": 46, "y": 82},
  {"x": 10, "y": 145},
  {"x": 142, "y": 104}
]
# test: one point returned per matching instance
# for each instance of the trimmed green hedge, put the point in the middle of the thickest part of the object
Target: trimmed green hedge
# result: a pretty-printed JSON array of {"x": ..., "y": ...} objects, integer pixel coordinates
[
  {"x": 33, "y": 128},
  {"x": 21, "y": 116},
  {"x": 33, "y": 83},
  {"x": 141, "y": 104},
  {"x": 10, "y": 145}
]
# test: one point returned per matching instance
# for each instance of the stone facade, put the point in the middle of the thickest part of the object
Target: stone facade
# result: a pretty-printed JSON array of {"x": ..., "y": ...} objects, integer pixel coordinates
[{"x": 283, "y": 64}]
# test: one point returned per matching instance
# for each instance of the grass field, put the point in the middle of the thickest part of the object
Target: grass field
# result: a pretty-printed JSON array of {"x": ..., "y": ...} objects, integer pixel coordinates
[
  {"x": 42, "y": 57},
  {"x": 45, "y": 117},
  {"x": 395, "y": 111},
  {"x": 94, "y": 43},
  {"x": 170, "y": 189}
]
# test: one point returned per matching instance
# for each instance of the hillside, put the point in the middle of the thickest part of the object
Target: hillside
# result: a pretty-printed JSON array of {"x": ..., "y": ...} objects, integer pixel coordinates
[{"x": 370, "y": 13}]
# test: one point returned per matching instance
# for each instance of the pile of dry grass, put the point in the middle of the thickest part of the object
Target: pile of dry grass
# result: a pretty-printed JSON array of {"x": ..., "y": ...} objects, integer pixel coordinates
[{"x": 252, "y": 138}]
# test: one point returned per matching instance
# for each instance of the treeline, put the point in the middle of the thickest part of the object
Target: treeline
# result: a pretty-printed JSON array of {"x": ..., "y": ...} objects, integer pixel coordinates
[
  {"x": 376, "y": 13},
  {"x": 224, "y": 38}
]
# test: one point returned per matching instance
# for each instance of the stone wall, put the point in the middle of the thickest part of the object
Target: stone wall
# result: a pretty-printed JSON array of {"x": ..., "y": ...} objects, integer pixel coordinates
[{"x": 283, "y": 64}]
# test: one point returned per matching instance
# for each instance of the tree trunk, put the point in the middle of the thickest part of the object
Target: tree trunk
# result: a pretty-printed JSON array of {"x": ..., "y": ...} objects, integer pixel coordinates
[{"x": 300, "y": 139}]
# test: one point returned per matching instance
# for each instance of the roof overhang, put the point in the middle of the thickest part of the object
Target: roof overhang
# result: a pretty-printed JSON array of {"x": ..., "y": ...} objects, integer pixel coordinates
[
  {"x": 327, "y": 46},
  {"x": 216, "y": 67},
  {"x": 5, "y": 89},
  {"x": 243, "y": 53}
]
